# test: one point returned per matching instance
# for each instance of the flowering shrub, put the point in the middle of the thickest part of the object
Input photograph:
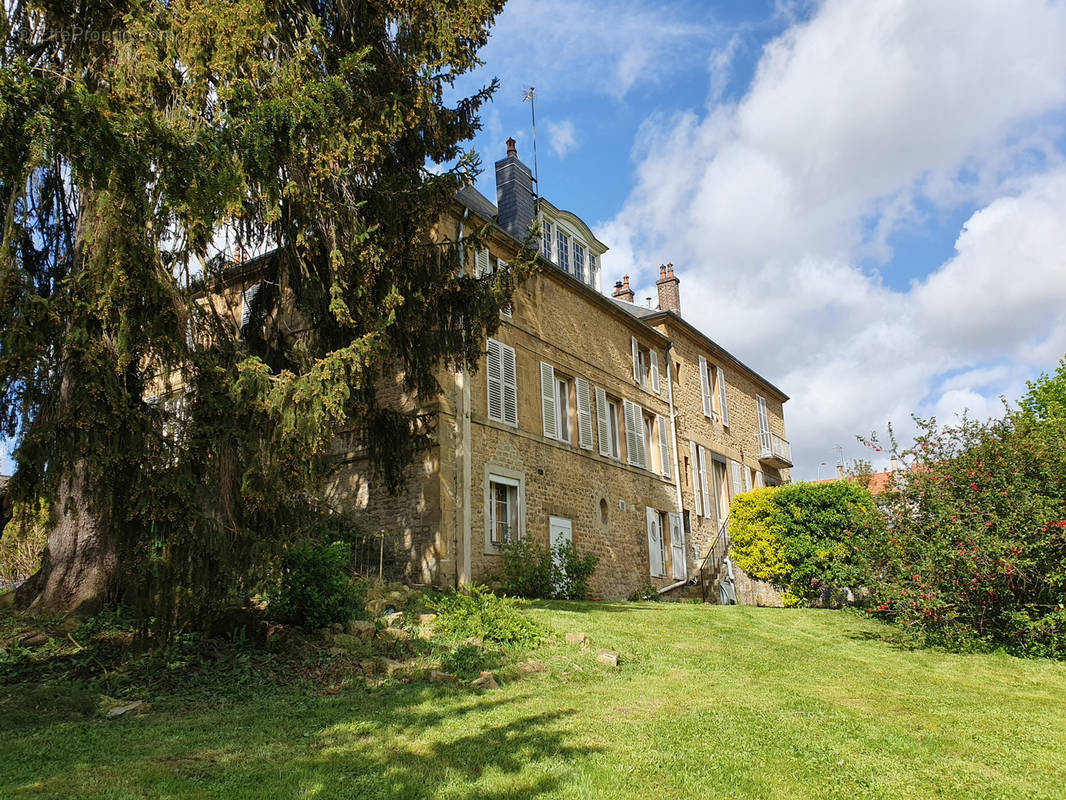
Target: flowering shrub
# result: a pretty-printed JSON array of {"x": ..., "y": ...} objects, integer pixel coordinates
[
  {"x": 974, "y": 552},
  {"x": 799, "y": 536}
]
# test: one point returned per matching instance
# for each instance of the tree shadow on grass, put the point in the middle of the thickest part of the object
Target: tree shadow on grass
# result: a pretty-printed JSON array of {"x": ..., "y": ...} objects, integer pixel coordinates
[{"x": 396, "y": 742}]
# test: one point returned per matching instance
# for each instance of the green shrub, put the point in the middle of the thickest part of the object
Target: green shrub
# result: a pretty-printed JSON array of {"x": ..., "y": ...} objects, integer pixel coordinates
[
  {"x": 974, "y": 554},
  {"x": 315, "y": 588},
  {"x": 537, "y": 571},
  {"x": 468, "y": 660},
  {"x": 528, "y": 569},
  {"x": 483, "y": 615},
  {"x": 800, "y": 536},
  {"x": 574, "y": 572}
]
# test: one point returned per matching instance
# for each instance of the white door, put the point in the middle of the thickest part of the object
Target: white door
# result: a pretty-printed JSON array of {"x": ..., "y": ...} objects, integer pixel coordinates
[
  {"x": 560, "y": 530},
  {"x": 655, "y": 542},
  {"x": 677, "y": 548}
]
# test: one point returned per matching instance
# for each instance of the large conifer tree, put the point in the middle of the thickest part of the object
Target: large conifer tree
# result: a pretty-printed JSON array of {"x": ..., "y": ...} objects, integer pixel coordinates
[{"x": 141, "y": 139}]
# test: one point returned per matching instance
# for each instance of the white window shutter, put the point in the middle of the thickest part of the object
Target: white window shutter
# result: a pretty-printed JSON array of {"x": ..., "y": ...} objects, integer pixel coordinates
[
  {"x": 481, "y": 262},
  {"x": 584, "y": 415},
  {"x": 494, "y": 375},
  {"x": 705, "y": 485},
  {"x": 654, "y": 357},
  {"x": 655, "y": 541},
  {"x": 547, "y": 400},
  {"x": 634, "y": 434},
  {"x": 738, "y": 485},
  {"x": 664, "y": 446},
  {"x": 247, "y": 298},
  {"x": 636, "y": 357},
  {"x": 747, "y": 478},
  {"x": 602, "y": 424},
  {"x": 759, "y": 482},
  {"x": 696, "y": 498},
  {"x": 677, "y": 547},
  {"x": 510, "y": 385},
  {"x": 705, "y": 387},
  {"x": 721, "y": 395}
]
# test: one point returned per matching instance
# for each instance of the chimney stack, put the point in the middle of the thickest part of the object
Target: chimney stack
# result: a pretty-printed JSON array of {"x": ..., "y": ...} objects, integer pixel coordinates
[
  {"x": 669, "y": 297},
  {"x": 515, "y": 202},
  {"x": 622, "y": 290}
]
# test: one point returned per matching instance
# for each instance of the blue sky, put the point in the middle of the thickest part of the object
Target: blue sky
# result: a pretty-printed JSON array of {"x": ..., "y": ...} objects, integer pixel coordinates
[{"x": 865, "y": 201}]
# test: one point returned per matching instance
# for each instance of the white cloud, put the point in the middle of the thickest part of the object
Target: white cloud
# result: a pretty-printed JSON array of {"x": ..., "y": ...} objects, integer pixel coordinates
[
  {"x": 562, "y": 137},
  {"x": 853, "y": 121}
]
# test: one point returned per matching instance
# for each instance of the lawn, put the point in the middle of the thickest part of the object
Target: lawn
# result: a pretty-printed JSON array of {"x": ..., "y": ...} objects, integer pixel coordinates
[{"x": 724, "y": 702}]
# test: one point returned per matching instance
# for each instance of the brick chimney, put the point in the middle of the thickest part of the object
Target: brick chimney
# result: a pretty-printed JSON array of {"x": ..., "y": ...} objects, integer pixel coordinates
[
  {"x": 514, "y": 194},
  {"x": 622, "y": 290},
  {"x": 669, "y": 298}
]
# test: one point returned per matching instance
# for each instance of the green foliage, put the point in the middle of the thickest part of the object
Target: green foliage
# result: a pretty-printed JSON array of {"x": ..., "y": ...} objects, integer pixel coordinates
[
  {"x": 1046, "y": 398},
  {"x": 757, "y": 536},
  {"x": 799, "y": 536},
  {"x": 468, "y": 660},
  {"x": 316, "y": 588},
  {"x": 127, "y": 156},
  {"x": 484, "y": 615},
  {"x": 974, "y": 554},
  {"x": 23, "y": 540},
  {"x": 539, "y": 571}
]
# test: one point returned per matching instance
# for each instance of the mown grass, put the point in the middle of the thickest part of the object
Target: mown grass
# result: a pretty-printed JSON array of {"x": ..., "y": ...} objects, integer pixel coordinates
[{"x": 726, "y": 702}]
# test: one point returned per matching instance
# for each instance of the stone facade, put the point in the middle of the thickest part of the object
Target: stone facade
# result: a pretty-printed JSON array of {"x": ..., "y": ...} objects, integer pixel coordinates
[{"x": 440, "y": 525}]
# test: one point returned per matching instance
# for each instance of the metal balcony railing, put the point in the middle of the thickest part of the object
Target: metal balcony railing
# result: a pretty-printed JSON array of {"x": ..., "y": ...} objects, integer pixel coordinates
[{"x": 774, "y": 449}]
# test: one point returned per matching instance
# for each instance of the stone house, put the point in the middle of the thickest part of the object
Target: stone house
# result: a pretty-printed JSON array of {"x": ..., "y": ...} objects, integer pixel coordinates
[{"x": 623, "y": 429}]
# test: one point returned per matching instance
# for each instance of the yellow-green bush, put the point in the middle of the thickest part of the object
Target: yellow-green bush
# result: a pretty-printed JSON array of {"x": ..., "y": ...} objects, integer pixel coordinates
[{"x": 757, "y": 537}]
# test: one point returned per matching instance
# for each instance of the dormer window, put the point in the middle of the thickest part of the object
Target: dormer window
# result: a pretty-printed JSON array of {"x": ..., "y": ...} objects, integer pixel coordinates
[
  {"x": 594, "y": 271},
  {"x": 562, "y": 251},
  {"x": 579, "y": 262}
]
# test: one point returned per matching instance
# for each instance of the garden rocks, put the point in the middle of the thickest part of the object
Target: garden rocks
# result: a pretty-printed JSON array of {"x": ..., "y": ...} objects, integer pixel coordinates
[
  {"x": 485, "y": 681},
  {"x": 362, "y": 629},
  {"x": 393, "y": 618},
  {"x": 393, "y": 668},
  {"x": 395, "y": 635},
  {"x": 578, "y": 638},
  {"x": 608, "y": 657},
  {"x": 118, "y": 711},
  {"x": 436, "y": 676}
]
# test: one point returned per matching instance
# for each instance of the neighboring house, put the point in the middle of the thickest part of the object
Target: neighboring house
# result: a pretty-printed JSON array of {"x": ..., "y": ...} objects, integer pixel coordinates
[{"x": 623, "y": 429}]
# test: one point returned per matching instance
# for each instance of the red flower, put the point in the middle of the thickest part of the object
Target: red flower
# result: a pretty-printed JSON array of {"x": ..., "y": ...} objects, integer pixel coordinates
[{"x": 973, "y": 486}]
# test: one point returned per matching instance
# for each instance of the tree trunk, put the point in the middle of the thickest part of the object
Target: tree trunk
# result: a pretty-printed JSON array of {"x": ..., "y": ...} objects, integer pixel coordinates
[{"x": 80, "y": 564}]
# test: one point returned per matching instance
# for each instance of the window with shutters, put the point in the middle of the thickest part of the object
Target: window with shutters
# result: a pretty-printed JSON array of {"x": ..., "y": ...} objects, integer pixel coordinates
[
  {"x": 249, "y": 307},
  {"x": 555, "y": 404},
  {"x": 738, "y": 481},
  {"x": 502, "y": 378},
  {"x": 482, "y": 265},
  {"x": 665, "y": 457},
  {"x": 607, "y": 424},
  {"x": 546, "y": 229},
  {"x": 636, "y": 436},
  {"x": 584, "y": 413},
  {"x": 645, "y": 366}
]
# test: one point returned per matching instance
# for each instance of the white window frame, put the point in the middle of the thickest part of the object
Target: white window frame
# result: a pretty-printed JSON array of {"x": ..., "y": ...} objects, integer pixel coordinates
[
  {"x": 497, "y": 475},
  {"x": 562, "y": 249},
  {"x": 697, "y": 494},
  {"x": 562, "y": 409},
  {"x": 547, "y": 228}
]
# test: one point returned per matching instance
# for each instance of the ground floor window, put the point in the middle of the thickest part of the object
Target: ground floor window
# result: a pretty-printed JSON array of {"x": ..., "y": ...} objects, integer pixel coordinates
[{"x": 503, "y": 509}]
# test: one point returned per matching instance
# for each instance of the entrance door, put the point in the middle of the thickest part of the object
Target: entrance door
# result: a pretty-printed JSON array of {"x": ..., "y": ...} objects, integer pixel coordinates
[
  {"x": 655, "y": 542},
  {"x": 560, "y": 530},
  {"x": 677, "y": 548}
]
